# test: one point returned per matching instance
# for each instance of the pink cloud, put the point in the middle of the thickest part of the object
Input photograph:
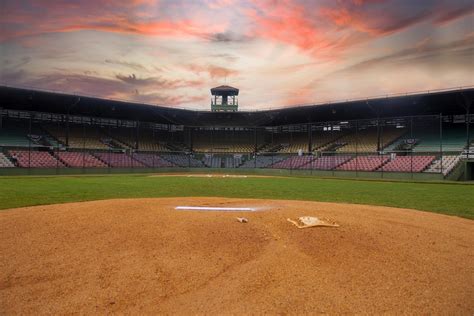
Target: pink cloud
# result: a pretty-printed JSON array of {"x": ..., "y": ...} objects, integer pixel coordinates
[
  {"x": 129, "y": 17},
  {"x": 213, "y": 71}
]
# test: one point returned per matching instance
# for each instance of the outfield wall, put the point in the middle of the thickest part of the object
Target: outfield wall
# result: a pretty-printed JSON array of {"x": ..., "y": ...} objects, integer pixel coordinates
[{"x": 257, "y": 171}]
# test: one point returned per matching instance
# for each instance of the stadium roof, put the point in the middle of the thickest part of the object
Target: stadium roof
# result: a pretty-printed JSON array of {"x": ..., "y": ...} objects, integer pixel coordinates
[
  {"x": 447, "y": 102},
  {"x": 228, "y": 90}
]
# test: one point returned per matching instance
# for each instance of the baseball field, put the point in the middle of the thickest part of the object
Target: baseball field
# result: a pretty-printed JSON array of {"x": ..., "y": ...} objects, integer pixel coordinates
[{"x": 118, "y": 243}]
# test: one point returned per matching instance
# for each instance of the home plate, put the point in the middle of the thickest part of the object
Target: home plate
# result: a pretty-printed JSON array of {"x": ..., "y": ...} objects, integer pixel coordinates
[{"x": 209, "y": 208}]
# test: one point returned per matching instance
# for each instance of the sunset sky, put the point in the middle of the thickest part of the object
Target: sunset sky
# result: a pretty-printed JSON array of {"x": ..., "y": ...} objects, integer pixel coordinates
[{"x": 278, "y": 53}]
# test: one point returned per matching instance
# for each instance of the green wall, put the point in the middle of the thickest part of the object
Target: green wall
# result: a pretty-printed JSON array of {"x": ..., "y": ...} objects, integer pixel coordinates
[{"x": 258, "y": 171}]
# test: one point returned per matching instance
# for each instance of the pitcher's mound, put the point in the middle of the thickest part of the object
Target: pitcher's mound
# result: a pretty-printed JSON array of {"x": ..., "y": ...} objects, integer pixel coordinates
[{"x": 143, "y": 256}]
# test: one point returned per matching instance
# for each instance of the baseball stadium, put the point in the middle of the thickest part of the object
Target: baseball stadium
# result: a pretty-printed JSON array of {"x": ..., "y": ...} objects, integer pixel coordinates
[{"x": 125, "y": 206}]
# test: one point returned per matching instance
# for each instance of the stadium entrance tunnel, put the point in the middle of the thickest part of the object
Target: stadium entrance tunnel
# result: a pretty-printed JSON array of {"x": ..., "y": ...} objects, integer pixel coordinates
[{"x": 470, "y": 171}]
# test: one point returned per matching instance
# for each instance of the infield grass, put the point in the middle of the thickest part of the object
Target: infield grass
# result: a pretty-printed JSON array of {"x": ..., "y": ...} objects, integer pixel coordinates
[{"x": 445, "y": 198}]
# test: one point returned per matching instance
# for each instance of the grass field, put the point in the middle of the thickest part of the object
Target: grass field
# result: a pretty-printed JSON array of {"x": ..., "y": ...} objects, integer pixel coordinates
[{"x": 445, "y": 198}]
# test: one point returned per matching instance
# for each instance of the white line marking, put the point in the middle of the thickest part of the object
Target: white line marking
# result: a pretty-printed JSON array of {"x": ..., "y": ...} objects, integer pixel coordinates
[{"x": 207, "y": 208}]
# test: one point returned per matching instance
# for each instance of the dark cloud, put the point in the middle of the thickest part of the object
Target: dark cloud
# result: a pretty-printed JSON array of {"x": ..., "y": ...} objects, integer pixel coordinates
[
  {"x": 228, "y": 37},
  {"x": 150, "y": 90},
  {"x": 133, "y": 80},
  {"x": 158, "y": 82},
  {"x": 132, "y": 65},
  {"x": 454, "y": 13}
]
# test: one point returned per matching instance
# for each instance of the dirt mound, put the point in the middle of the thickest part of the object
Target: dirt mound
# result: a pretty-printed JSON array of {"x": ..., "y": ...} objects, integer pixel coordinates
[{"x": 142, "y": 256}]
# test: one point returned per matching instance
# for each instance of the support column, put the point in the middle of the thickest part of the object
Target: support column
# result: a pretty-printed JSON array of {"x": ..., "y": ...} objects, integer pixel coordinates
[
  {"x": 310, "y": 138},
  {"x": 441, "y": 141}
]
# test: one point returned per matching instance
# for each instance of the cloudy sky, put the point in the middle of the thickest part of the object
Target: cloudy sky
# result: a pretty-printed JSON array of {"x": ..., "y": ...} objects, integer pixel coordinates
[{"x": 278, "y": 52}]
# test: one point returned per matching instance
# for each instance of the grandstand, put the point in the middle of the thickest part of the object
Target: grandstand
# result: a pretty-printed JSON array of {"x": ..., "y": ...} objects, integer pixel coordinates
[
  {"x": 364, "y": 163},
  {"x": 262, "y": 161},
  {"x": 327, "y": 162},
  {"x": 223, "y": 141},
  {"x": 34, "y": 159},
  {"x": 119, "y": 160},
  {"x": 80, "y": 160},
  {"x": 309, "y": 139},
  {"x": 408, "y": 163},
  {"x": 294, "y": 162},
  {"x": 14, "y": 137},
  {"x": 183, "y": 160},
  {"x": 81, "y": 137},
  {"x": 368, "y": 141},
  {"x": 153, "y": 160}
]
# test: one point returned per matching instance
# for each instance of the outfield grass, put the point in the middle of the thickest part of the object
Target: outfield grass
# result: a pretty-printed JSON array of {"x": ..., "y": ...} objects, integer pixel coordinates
[{"x": 451, "y": 199}]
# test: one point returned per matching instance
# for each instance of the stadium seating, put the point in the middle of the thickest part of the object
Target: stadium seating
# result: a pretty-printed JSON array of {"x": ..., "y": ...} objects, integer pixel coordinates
[
  {"x": 183, "y": 160},
  {"x": 223, "y": 142},
  {"x": 14, "y": 136},
  {"x": 321, "y": 139},
  {"x": 119, "y": 160},
  {"x": 232, "y": 162},
  {"x": 35, "y": 159},
  {"x": 366, "y": 140},
  {"x": 152, "y": 160},
  {"x": 326, "y": 162},
  {"x": 294, "y": 162},
  {"x": 453, "y": 140},
  {"x": 410, "y": 163},
  {"x": 212, "y": 162},
  {"x": 81, "y": 137},
  {"x": 147, "y": 140},
  {"x": 292, "y": 143},
  {"x": 364, "y": 163},
  {"x": 5, "y": 162},
  {"x": 262, "y": 161},
  {"x": 80, "y": 159},
  {"x": 445, "y": 164}
]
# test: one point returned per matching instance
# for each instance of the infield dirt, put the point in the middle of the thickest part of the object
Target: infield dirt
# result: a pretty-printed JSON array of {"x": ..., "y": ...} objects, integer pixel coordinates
[{"x": 142, "y": 256}]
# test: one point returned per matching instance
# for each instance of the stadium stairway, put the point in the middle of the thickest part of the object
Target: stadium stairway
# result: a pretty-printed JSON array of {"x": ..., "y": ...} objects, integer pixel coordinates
[
  {"x": 270, "y": 148},
  {"x": 446, "y": 164},
  {"x": 101, "y": 160},
  {"x": 5, "y": 162},
  {"x": 52, "y": 141}
]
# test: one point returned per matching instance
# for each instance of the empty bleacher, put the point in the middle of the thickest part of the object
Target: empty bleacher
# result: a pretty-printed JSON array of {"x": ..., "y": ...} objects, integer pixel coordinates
[
  {"x": 12, "y": 136},
  {"x": 262, "y": 161},
  {"x": 453, "y": 139},
  {"x": 367, "y": 140},
  {"x": 35, "y": 159},
  {"x": 152, "y": 160},
  {"x": 212, "y": 162},
  {"x": 232, "y": 162},
  {"x": 364, "y": 163},
  {"x": 294, "y": 162},
  {"x": 326, "y": 162},
  {"x": 119, "y": 160},
  {"x": 412, "y": 163},
  {"x": 88, "y": 137},
  {"x": 182, "y": 160},
  {"x": 445, "y": 164},
  {"x": 321, "y": 139},
  {"x": 292, "y": 142},
  {"x": 223, "y": 142},
  {"x": 80, "y": 160}
]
